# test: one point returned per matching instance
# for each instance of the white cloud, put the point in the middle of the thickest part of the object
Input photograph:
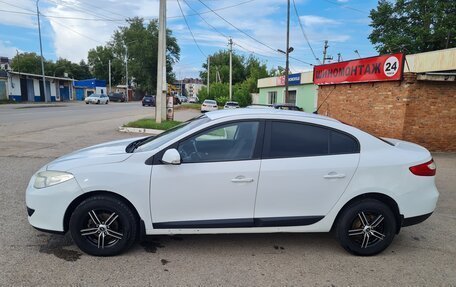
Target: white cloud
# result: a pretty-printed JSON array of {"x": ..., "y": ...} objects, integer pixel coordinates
[
  {"x": 18, "y": 19},
  {"x": 320, "y": 28},
  {"x": 7, "y": 50},
  {"x": 313, "y": 20}
]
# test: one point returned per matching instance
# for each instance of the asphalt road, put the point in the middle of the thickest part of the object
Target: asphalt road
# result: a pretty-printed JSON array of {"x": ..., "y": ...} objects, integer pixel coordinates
[{"x": 421, "y": 255}]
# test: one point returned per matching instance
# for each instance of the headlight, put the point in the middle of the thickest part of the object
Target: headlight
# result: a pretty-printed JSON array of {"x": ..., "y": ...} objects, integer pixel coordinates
[{"x": 49, "y": 178}]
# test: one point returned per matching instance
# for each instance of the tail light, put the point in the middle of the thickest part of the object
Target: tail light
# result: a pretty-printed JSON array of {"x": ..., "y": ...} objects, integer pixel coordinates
[{"x": 424, "y": 169}]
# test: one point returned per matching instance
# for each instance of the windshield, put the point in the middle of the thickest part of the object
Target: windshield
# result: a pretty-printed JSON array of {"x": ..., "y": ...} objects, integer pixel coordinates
[
  {"x": 155, "y": 142},
  {"x": 209, "y": 102},
  {"x": 232, "y": 104}
]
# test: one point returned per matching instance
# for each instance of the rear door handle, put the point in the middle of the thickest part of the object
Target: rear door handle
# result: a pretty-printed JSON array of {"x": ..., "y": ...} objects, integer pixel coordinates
[
  {"x": 333, "y": 175},
  {"x": 241, "y": 179}
]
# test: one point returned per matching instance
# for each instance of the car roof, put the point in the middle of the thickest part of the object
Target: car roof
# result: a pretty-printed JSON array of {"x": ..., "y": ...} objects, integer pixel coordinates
[{"x": 273, "y": 113}]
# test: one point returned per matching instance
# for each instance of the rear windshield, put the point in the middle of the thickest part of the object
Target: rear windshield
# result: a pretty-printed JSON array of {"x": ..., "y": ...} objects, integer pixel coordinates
[
  {"x": 232, "y": 104},
  {"x": 210, "y": 102}
]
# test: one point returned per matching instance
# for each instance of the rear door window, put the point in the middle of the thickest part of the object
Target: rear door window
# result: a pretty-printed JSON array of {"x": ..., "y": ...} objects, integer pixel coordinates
[{"x": 294, "y": 139}]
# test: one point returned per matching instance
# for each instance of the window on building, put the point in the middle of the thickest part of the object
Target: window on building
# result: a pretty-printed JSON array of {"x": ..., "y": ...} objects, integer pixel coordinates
[
  {"x": 272, "y": 98},
  {"x": 291, "y": 98}
]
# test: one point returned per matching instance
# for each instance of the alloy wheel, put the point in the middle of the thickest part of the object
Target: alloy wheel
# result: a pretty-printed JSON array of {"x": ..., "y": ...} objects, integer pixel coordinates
[{"x": 102, "y": 228}]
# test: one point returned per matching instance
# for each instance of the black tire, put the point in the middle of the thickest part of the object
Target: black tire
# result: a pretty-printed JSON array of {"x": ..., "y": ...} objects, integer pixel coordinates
[
  {"x": 363, "y": 239},
  {"x": 107, "y": 102},
  {"x": 119, "y": 234},
  {"x": 87, "y": 103},
  {"x": 98, "y": 102}
]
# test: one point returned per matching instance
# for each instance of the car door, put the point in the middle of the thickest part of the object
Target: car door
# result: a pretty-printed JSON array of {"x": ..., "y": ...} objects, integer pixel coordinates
[
  {"x": 304, "y": 171},
  {"x": 215, "y": 184}
]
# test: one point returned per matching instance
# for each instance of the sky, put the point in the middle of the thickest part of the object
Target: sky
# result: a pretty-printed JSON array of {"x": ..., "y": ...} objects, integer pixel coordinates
[{"x": 70, "y": 28}]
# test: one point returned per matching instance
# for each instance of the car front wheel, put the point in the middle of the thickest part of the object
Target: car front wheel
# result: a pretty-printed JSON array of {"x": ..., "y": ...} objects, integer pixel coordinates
[
  {"x": 366, "y": 227},
  {"x": 103, "y": 226}
]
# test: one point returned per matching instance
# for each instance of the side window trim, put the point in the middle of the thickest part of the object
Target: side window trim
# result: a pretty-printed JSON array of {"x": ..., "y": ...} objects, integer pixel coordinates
[{"x": 268, "y": 131}]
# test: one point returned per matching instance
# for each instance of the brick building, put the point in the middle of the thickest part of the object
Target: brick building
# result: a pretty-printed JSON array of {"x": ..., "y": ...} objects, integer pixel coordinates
[{"x": 419, "y": 107}]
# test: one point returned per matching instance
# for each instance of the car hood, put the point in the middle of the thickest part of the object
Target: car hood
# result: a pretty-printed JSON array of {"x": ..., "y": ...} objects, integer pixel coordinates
[{"x": 109, "y": 152}]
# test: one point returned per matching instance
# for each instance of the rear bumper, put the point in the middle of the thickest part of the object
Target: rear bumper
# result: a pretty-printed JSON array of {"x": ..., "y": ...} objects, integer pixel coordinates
[{"x": 415, "y": 220}]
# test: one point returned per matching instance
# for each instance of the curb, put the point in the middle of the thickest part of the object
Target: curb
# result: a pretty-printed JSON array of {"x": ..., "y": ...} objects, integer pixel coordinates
[{"x": 139, "y": 130}]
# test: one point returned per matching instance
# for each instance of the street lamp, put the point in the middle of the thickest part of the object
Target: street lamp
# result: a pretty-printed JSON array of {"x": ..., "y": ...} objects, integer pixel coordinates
[
  {"x": 126, "y": 67},
  {"x": 287, "y": 67},
  {"x": 41, "y": 52}
]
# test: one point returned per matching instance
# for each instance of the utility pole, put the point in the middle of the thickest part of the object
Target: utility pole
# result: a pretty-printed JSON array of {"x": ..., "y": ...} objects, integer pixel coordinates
[
  {"x": 110, "y": 88},
  {"x": 160, "y": 106},
  {"x": 41, "y": 51},
  {"x": 208, "y": 73},
  {"x": 126, "y": 71},
  {"x": 325, "y": 48},
  {"x": 287, "y": 63},
  {"x": 230, "y": 43}
]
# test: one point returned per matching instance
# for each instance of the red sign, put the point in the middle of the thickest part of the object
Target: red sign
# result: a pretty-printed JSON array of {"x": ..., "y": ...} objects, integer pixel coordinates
[{"x": 381, "y": 68}]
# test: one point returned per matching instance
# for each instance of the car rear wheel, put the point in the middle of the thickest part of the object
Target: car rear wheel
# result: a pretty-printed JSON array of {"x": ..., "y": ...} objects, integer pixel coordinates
[
  {"x": 98, "y": 102},
  {"x": 103, "y": 226},
  {"x": 366, "y": 227}
]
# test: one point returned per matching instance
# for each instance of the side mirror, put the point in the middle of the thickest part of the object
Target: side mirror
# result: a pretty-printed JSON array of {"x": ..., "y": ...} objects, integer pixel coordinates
[{"x": 171, "y": 156}]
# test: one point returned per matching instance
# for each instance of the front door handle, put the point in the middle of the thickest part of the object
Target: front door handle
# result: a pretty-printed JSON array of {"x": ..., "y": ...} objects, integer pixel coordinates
[
  {"x": 333, "y": 175},
  {"x": 240, "y": 179}
]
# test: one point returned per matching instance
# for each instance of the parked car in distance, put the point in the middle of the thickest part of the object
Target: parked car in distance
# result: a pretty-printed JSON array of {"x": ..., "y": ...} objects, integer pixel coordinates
[
  {"x": 97, "y": 99},
  {"x": 289, "y": 107},
  {"x": 182, "y": 98},
  {"x": 148, "y": 101},
  {"x": 231, "y": 105},
  {"x": 362, "y": 188},
  {"x": 176, "y": 100},
  {"x": 116, "y": 97},
  {"x": 209, "y": 105},
  {"x": 193, "y": 100}
]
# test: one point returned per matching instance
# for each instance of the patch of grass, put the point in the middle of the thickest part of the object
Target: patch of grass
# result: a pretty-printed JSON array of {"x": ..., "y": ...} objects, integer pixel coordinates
[
  {"x": 4, "y": 102},
  {"x": 151, "y": 124},
  {"x": 188, "y": 106}
]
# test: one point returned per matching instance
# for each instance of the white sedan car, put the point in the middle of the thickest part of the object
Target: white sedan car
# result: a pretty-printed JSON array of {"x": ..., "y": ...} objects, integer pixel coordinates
[
  {"x": 264, "y": 170},
  {"x": 209, "y": 105},
  {"x": 97, "y": 99}
]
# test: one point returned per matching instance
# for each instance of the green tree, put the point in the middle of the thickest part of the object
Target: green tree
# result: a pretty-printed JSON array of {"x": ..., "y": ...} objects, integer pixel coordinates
[
  {"x": 416, "y": 25},
  {"x": 31, "y": 63},
  {"x": 142, "y": 43},
  {"x": 220, "y": 61},
  {"x": 98, "y": 59},
  {"x": 27, "y": 63}
]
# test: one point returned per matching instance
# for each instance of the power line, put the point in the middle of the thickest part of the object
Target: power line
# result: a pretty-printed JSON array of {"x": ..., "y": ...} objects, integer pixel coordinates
[
  {"x": 229, "y": 23},
  {"x": 76, "y": 32},
  {"x": 112, "y": 19},
  {"x": 216, "y": 9},
  {"x": 248, "y": 35},
  {"x": 188, "y": 26},
  {"x": 34, "y": 12},
  {"x": 347, "y": 7},
  {"x": 303, "y": 32},
  {"x": 75, "y": 7},
  {"x": 18, "y": 12},
  {"x": 202, "y": 18}
]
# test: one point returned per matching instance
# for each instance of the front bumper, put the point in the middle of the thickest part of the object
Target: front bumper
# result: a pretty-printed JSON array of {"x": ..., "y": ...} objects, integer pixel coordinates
[{"x": 46, "y": 207}]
